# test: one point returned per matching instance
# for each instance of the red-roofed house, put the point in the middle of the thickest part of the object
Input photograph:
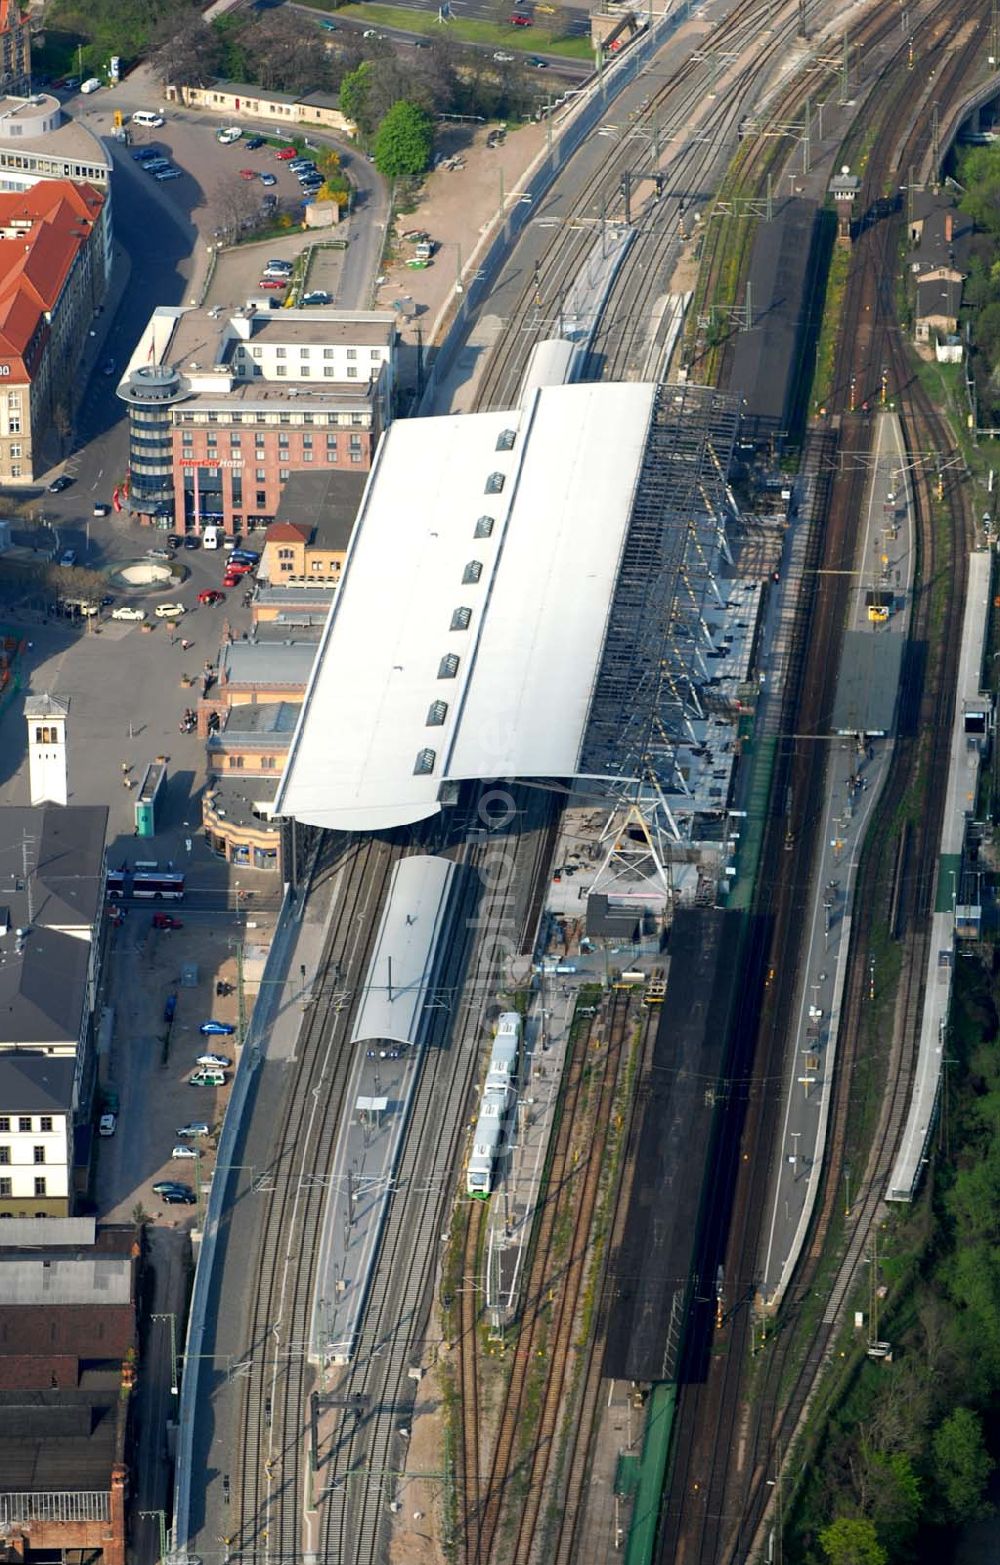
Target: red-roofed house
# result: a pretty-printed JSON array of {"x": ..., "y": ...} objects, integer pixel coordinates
[{"x": 52, "y": 277}]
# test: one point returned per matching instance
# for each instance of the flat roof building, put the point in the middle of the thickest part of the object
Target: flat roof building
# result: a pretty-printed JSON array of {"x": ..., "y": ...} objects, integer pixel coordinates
[
  {"x": 527, "y": 593},
  {"x": 224, "y": 410}
]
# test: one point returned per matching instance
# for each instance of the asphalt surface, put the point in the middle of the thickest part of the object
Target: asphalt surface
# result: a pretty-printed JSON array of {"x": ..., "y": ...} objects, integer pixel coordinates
[
  {"x": 473, "y": 10},
  {"x": 165, "y": 230}
]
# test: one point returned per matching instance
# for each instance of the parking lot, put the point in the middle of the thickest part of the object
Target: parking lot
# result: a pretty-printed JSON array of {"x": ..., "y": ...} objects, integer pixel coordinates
[{"x": 150, "y": 1061}]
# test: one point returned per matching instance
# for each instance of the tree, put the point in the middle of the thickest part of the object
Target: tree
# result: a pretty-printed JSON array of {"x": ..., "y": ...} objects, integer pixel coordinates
[
  {"x": 354, "y": 91},
  {"x": 188, "y": 56},
  {"x": 962, "y": 1465},
  {"x": 404, "y": 140},
  {"x": 852, "y": 1540}
]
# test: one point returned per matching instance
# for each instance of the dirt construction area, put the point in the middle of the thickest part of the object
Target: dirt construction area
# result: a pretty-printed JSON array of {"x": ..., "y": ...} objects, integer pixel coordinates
[
  {"x": 456, "y": 208},
  {"x": 147, "y": 1061}
]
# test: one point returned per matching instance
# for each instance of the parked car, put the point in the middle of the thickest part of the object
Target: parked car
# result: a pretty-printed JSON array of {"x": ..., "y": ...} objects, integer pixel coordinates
[
  {"x": 228, "y": 134},
  {"x": 503, "y": 58},
  {"x": 211, "y": 596},
  {"x": 153, "y": 165},
  {"x": 231, "y": 579},
  {"x": 285, "y": 154},
  {"x": 181, "y": 1197},
  {"x": 169, "y": 610},
  {"x": 162, "y": 1186},
  {"x": 167, "y": 921},
  {"x": 90, "y": 85},
  {"x": 59, "y": 484},
  {"x": 175, "y": 540},
  {"x": 238, "y": 568},
  {"x": 214, "y": 1061},
  {"x": 126, "y": 611},
  {"x": 182, "y": 1151},
  {"x": 197, "y": 1127},
  {"x": 518, "y": 20},
  {"x": 273, "y": 282},
  {"x": 170, "y": 1008},
  {"x": 207, "y": 1076},
  {"x": 144, "y": 154},
  {"x": 253, "y": 142},
  {"x": 101, "y": 508},
  {"x": 214, "y": 1029},
  {"x": 268, "y": 179},
  {"x": 248, "y": 173},
  {"x": 192, "y": 541},
  {"x": 250, "y": 556},
  {"x": 317, "y": 296},
  {"x": 277, "y": 263},
  {"x": 107, "y": 1124},
  {"x": 168, "y": 173},
  {"x": 159, "y": 554},
  {"x": 68, "y": 557}
]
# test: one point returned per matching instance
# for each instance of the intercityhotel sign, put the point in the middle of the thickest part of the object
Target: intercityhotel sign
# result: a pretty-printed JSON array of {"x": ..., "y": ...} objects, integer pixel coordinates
[{"x": 188, "y": 465}]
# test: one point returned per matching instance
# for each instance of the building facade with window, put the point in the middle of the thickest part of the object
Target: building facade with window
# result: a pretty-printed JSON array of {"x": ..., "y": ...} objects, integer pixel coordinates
[
  {"x": 53, "y": 275},
  {"x": 223, "y": 412},
  {"x": 51, "y": 933},
  {"x": 39, "y": 141},
  {"x": 36, "y": 1134},
  {"x": 15, "y": 47}
]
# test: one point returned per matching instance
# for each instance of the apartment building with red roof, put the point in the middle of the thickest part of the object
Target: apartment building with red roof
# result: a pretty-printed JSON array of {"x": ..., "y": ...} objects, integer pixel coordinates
[{"x": 52, "y": 277}]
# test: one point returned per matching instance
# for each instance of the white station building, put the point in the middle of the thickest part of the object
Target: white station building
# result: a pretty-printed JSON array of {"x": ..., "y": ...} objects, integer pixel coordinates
[{"x": 524, "y": 589}]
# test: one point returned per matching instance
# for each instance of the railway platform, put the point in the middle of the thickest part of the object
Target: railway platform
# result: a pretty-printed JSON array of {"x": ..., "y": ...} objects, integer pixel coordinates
[{"x": 860, "y": 747}]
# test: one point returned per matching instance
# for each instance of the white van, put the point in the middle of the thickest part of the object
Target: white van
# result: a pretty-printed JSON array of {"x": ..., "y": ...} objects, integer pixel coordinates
[
  {"x": 228, "y": 134},
  {"x": 147, "y": 117},
  {"x": 91, "y": 85},
  {"x": 210, "y": 538}
]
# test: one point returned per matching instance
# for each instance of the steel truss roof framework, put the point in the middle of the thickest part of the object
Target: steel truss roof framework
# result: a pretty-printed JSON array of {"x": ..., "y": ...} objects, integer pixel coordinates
[{"x": 653, "y": 684}]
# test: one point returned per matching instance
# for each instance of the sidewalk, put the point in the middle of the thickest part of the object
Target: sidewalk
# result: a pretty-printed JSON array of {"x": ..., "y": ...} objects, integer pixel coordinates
[{"x": 55, "y": 450}]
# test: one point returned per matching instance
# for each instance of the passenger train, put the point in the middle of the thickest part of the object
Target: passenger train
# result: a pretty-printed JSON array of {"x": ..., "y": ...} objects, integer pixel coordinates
[{"x": 498, "y": 1104}]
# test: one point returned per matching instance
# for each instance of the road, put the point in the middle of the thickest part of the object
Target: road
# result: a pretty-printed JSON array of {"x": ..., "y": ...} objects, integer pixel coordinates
[
  {"x": 473, "y": 10},
  {"x": 163, "y": 231}
]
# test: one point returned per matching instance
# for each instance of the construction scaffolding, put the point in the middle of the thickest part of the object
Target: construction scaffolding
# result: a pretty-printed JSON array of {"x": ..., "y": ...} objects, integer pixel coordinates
[{"x": 663, "y": 647}]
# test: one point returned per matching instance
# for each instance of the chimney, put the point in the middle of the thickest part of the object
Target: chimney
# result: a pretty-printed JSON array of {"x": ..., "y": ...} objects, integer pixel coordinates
[{"x": 949, "y": 222}]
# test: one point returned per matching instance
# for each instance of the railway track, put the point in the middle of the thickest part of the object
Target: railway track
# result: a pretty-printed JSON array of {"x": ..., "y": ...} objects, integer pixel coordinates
[
  {"x": 363, "y": 1464},
  {"x": 266, "y": 1499},
  {"x": 505, "y": 1520},
  {"x": 668, "y": 113},
  {"x": 720, "y": 1487}
]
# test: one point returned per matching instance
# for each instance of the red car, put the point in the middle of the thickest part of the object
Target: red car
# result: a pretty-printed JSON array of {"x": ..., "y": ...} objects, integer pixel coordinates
[
  {"x": 238, "y": 568},
  {"x": 166, "y": 921},
  {"x": 285, "y": 154},
  {"x": 230, "y": 581},
  {"x": 248, "y": 173},
  {"x": 517, "y": 20},
  {"x": 211, "y": 595},
  {"x": 273, "y": 282}
]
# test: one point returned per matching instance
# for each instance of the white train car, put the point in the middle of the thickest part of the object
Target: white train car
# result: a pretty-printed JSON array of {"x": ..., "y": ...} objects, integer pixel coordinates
[
  {"x": 505, "y": 1055},
  {"x": 499, "y": 1098},
  {"x": 487, "y": 1143}
]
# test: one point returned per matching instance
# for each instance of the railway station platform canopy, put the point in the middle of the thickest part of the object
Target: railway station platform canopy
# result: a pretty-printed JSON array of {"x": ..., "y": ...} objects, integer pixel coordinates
[
  {"x": 401, "y": 971},
  {"x": 511, "y": 585},
  {"x": 867, "y": 688}
]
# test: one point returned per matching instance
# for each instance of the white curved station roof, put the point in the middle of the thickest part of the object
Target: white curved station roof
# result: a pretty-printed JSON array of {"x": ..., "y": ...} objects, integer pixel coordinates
[
  {"x": 397, "y": 984},
  {"x": 466, "y": 635}
]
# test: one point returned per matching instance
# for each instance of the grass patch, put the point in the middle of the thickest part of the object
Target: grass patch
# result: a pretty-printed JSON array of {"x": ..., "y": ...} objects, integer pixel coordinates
[
  {"x": 499, "y": 35},
  {"x": 829, "y": 331}
]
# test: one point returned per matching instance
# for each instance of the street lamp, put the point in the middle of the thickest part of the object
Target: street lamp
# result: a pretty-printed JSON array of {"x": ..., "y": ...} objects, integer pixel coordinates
[
  {"x": 174, "y": 1362},
  {"x": 160, "y": 1517}
]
